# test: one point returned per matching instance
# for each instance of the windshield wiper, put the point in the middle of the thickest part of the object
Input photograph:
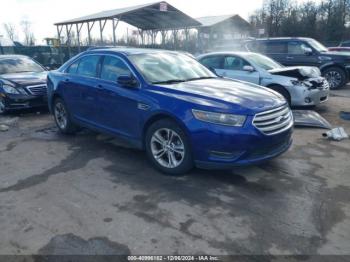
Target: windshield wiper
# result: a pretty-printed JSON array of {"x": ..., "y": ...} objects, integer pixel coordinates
[
  {"x": 170, "y": 81},
  {"x": 199, "y": 78}
]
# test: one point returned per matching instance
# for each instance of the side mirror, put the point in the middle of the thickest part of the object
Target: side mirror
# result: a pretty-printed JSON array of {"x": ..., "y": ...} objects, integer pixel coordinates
[
  {"x": 307, "y": 51},
  {"x": 127, "y": 81},
  {"x": 248, "y": 68}
]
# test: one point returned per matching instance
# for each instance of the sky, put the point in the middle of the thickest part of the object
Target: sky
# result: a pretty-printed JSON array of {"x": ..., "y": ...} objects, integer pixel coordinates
[{"x": 44, "y": 13}]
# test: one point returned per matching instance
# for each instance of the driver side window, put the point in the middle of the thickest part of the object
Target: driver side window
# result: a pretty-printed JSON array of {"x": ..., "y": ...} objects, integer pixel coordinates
[
  {"x": 234, "y": 63},
  {"x": 297, "y": 48},
  {"x": 112, "y": 68}
]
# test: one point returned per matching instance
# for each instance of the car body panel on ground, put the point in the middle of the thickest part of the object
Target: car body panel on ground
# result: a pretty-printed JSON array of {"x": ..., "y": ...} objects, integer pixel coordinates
[
  {"x": 128, "y": 112},
  {"x": 304, "y": 85}
]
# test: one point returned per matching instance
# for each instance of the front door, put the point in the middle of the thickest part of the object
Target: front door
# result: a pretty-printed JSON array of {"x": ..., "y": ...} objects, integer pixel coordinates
[{"x": 117, "y": 106}]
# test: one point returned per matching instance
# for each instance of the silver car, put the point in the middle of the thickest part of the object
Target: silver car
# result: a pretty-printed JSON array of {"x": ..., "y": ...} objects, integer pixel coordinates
[{"x": 301, "y": 86}]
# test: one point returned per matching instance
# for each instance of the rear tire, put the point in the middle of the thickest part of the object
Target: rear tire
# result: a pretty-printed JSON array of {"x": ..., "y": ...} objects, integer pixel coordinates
[
  {"x": 281, "y": 90},
  {"x": 336, "y": 77},
  {"x": 63, "y": 118},
  {"x": 168, "y": 147}
]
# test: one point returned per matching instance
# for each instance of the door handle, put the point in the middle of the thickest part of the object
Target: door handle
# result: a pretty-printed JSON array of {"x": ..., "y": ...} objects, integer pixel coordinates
[
  {"x": 100, "y": 87},
  {"x": 67, "y": 80},
  {"x": 290, "y": 57}
]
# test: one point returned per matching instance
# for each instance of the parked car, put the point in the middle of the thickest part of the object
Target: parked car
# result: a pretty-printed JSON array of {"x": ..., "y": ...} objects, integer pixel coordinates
[
  {"x": 22, "y": 83},
  {"x": 172, "y": 106},
  {"x": 345, "y": 43},
  {"x": 339, "y": 49},
  {"x": 335, "y": 66},
  {"x": 300, "y": 86}
]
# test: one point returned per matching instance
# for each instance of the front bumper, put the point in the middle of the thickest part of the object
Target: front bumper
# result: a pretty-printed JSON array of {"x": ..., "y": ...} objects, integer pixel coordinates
[
  {"x": 17, "y": 102},
  {"x": 220, "y": 147},
  {"x": 303, "y": 96}
]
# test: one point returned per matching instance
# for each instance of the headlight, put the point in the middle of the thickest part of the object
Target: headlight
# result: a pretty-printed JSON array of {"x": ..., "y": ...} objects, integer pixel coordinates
[
  {"x": 10, "y": 90},
  {"x": 218, "y": 118}
]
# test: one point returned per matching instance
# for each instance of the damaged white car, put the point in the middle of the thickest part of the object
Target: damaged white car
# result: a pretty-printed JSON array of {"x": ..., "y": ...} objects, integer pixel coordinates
[{"x": 301, "y": 86}]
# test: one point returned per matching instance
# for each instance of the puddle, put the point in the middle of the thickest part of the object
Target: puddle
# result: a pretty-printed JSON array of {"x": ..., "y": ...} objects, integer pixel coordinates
[{"x": 70, "y": 244}]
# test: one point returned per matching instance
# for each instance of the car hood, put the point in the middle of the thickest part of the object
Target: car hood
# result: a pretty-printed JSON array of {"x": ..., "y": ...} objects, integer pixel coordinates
[
  {"x": 24, "y": 79},
  {"x": 226, "y": 95},
  {"x": 299, "y": 72},
  {"x": 335, "y": 54}
]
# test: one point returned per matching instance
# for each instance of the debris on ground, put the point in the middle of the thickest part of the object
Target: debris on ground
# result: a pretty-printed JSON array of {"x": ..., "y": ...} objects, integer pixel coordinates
[
  {"x": 4, "y": 128},
  {"x": 336, "y": 134},
  {"x": 309, "y": 118},
  {"x": 344, "y": 115},
  {"x": 9, "y": 121}
]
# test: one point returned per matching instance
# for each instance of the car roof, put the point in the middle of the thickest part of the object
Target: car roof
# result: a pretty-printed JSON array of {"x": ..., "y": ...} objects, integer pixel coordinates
[
  {"x": 238, "y": 53},
  {"x": 129, "y": 50},
  {"x": 280, "y": 39},
  {"x": 12, "y": 56}
]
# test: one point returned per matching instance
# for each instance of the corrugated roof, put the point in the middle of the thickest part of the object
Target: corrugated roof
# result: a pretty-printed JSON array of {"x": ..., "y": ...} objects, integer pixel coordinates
[
  {"x": 146, "y": 17},
  {"x": 212, "y": 20},
  {"x": 209, "y": 21}
]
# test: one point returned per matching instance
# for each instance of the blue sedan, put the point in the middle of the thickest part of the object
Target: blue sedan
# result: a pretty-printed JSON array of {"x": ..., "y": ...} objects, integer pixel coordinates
[{"x": 171, "y": 106}]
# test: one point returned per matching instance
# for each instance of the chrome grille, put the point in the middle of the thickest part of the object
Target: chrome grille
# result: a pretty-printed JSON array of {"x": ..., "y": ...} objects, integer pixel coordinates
[
  {"x": 37, "y": 90},
  {"x": 274, "y": 121}
]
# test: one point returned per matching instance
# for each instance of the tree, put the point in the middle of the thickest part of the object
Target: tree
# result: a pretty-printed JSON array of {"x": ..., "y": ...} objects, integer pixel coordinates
[
  {"x": 10, "y": 30},
  {"x": 325, "y": 21},
  {"x": 29, "y": 38}
]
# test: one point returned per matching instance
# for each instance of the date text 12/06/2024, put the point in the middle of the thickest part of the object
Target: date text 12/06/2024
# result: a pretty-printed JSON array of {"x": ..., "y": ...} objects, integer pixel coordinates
[{"x": 173, "y": 258}]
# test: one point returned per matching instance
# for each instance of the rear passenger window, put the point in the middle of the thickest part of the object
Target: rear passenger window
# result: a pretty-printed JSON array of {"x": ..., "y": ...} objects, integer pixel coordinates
[
  {"x": 88, "y": 66},
  {"x": 213, "y": 62},
  {"x": 112, "y": 68},
  {"x": 275, "y": 48}
]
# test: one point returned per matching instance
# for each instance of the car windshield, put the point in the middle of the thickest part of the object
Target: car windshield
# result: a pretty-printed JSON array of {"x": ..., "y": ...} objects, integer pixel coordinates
[
  {"x": 158, "y": 68},
  {"x": 317, "y": 45},
  {"x": 263, "y": 61},
  {"x": 18, "y": 65}
]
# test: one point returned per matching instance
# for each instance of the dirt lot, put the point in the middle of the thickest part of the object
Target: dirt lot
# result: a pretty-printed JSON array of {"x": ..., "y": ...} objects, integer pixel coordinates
[{"x": 87, "y": 194}]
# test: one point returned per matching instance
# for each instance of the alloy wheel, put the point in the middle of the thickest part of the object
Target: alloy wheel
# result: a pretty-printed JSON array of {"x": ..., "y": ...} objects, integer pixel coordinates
[
  {"x": 167, "y": 148},
  {"x": 60, "y": 115},
  {"x": 334, "y": 78}
]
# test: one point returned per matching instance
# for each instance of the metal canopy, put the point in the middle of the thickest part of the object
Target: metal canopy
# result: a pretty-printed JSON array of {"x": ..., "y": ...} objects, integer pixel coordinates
[
  {"x": 210, "y": 21},
  {"x": 153, "y": 16}
]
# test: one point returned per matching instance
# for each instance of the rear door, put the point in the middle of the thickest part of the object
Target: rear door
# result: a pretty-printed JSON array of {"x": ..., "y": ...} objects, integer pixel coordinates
[
  {"x": 80, "y": 88},
  {"x": 277, "y": 50},
  {"x": 234, "y": 68}
]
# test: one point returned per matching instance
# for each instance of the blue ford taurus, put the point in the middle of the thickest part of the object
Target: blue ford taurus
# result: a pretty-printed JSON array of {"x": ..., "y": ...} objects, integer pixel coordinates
[{"x": 170, "y": 105}]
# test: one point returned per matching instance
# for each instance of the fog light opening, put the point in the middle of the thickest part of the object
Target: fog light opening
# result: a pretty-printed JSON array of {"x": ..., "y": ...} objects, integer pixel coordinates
[{"x": 308, "y": 100}]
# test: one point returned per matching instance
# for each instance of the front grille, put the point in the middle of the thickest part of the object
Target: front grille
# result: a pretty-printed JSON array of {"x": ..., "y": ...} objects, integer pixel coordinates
[
  {"x": 274, "y": 121},
  {"x": 37, "y": 90}
]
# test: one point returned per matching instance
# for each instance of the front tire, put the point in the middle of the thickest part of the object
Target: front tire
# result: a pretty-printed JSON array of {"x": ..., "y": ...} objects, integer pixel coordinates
[
  {"x": 63, "y": 118},
  {"x": 2, "y": 106},
  {"x": 336, "y": 77},
  {"x": 168, "y": 148}
]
